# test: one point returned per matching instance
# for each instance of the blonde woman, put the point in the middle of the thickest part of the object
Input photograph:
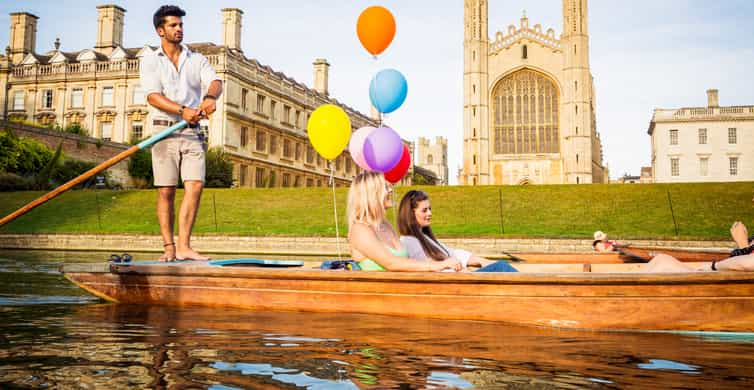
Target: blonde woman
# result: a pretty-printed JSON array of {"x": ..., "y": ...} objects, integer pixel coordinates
[{"x": 374, "y": 242}]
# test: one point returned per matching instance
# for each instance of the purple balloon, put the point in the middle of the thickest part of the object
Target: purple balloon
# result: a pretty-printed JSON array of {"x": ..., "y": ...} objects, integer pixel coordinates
[{"x": 383, "y": 149}]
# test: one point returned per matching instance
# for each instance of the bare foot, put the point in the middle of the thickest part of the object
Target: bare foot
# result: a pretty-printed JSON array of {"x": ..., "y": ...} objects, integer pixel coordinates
[
  {"x": 740, "y": 234},
  {"x": 169, "y": 254},
  {"x": 190, "y": 254}
]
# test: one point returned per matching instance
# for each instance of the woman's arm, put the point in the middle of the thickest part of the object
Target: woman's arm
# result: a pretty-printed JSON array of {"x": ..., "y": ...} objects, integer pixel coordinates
[
  {"x": 479, "y": 261},
  {"x": 366, "y": 242},
  {"x": 738, "y": 263}
]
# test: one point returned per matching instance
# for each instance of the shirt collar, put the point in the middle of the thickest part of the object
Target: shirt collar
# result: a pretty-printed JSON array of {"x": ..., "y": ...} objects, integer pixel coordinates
[{"x": 184, "y": 49}]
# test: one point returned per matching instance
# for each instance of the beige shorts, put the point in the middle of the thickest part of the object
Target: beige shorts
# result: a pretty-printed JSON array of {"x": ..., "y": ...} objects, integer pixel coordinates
[{"x": 181, "y": 154}]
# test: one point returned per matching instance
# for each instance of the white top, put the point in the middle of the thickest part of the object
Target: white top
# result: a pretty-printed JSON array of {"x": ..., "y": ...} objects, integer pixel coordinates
[
  {"x": 415, "y": 250},
  {"x": 185, "y": 85}
]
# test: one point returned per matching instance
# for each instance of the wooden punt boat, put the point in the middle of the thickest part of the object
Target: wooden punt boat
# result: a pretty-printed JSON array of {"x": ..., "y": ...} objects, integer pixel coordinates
[
  {"x": 557, "y": 295},
  {"x": 685, "y": 255}
]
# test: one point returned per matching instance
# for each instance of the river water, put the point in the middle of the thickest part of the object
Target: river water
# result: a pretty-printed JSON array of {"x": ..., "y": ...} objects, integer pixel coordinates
[{"x": 53, "y": 335}]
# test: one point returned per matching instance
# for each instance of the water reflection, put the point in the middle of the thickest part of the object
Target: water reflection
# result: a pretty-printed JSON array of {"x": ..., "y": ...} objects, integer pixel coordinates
[
  {"x": 106, "y": 345},
  {"x": 80, "y": 342}
]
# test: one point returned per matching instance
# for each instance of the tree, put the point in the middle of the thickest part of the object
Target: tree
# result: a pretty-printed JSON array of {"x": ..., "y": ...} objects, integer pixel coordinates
[
  {"x": 219, "y": 169},
  {"x": 140, "y": 168}
]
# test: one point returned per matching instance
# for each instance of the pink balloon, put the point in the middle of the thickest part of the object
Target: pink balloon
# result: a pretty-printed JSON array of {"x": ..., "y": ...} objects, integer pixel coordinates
[{"x": 356, "y": 146}]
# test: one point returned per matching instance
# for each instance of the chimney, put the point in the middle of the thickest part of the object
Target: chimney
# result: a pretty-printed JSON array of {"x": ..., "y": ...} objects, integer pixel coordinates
[
  {"x": 109, "y": 28},
  {"x": 375, "y": 114},
  {"x": 232, "y": 28},
  {"x": 712, "y": 99},
  {"x": 23, "y": 35},
  {"x": 321, "y": 71}
]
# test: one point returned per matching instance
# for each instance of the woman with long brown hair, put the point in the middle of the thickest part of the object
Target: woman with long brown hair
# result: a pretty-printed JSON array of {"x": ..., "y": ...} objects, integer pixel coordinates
[
  {"x": 414, "y": 220},
  {"x": 374, "y": 242}
]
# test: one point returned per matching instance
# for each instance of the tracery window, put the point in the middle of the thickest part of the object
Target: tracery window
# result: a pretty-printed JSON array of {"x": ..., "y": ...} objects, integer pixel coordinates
[{"x": 526, "y": 114}]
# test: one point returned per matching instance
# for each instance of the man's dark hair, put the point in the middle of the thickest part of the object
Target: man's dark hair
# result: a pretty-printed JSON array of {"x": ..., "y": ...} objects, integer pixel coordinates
[{"x": 164, "y": 11}]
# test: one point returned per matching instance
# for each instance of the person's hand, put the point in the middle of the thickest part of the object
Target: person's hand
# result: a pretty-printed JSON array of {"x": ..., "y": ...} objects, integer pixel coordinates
[
  {"x": 449, "y": 263},
  {"x": 209, "y": 106},
  {"x": 191, "y": 115},
  {"x": 740, "y": 234}
]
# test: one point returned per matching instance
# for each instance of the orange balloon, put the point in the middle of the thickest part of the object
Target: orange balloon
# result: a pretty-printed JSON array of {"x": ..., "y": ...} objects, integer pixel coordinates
[{"x": 376, "y": 29}]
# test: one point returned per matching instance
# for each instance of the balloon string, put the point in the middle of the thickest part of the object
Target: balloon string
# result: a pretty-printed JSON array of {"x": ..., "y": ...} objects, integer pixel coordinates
[{"x": 334, "y": 207}]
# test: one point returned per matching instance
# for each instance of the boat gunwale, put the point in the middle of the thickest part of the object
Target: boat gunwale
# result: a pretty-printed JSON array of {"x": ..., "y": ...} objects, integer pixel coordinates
[{"x": 539, "y": 278}]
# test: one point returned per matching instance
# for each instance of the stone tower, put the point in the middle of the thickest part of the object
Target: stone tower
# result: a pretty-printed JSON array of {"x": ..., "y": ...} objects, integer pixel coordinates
[
  {"x": 232, "y": 28},
  {"x": 23, "y": 35},
  {"x": 577, "y": 106},
  {"x": 475, "y": 97},
  {"x": 433, "y": 157},
  {"x": 109, "y": 28}
]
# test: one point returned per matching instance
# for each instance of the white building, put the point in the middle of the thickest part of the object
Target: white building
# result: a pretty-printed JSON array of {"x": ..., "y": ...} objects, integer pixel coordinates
[{"x": 700, "y": 144}]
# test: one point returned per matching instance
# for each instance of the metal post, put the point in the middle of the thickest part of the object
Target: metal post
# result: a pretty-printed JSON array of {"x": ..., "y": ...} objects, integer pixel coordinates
[{"x": 670, "y": 202}]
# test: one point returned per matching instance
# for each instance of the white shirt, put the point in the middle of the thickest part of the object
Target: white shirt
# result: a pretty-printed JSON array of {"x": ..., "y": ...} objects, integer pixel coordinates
[
  {"x": 415, "y": 250},
  {"x": 185, "y": 85}
]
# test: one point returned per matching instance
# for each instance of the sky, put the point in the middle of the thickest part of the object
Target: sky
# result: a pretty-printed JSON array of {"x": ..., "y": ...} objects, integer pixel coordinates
[{"x": 645, "y": 54}]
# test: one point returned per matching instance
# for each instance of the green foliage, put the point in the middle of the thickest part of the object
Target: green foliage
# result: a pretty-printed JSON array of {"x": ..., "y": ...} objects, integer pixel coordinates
[
  {"x": 43, "y": 179},
  {"x": 22, "y": 156},
  {"x": 12, "y": 182},
  {"x": 420, "y": 180},
  {"x": 36, "y": 165},
  {"x": 140, "y": 168},
  {"x": 75, "y": 128},
  {"x": 219, "y": 169},
  {"x": 69, "y": 170}
]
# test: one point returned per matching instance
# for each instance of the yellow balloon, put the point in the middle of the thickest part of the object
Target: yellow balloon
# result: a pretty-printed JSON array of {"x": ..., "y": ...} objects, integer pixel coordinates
[{"x": 329, "y": 130}]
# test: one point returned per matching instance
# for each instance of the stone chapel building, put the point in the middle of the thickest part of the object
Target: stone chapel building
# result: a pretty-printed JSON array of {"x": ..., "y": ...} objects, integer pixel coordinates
[{"x": 529, "y": 102}]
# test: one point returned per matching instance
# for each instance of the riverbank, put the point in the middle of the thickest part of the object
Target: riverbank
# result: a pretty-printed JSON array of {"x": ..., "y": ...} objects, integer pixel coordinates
[
  {"x": 702, "y": 211},
  {"x": 307, "y": 246}
]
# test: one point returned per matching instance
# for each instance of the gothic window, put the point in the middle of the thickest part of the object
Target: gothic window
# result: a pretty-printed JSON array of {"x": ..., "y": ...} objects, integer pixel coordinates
[
  {"x": 524, "y": 52},
  {"x": 429, "y": 160},
  {"x": 526, "y": 117}
]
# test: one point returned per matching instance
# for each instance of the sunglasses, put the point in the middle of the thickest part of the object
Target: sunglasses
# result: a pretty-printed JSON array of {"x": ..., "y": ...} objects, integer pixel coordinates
[{"x": 124, "y": 258}]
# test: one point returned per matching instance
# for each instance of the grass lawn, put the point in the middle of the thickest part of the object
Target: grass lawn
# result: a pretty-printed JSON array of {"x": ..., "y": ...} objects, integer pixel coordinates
[{"x": 699, "y": 211}]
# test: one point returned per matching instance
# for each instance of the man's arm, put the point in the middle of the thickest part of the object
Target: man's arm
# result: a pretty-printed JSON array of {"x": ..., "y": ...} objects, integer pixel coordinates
[
  {"x": 164, "y": 104},
  {"x": 209, "y": 104}
]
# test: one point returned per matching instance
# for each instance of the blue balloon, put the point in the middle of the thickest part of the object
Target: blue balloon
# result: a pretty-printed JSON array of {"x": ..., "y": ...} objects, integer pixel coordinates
[{"x": 388, "y": 90}]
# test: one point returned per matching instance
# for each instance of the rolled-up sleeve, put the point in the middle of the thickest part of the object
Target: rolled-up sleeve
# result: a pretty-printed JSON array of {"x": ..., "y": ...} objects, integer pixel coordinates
[
  {"x": 208, "y": 74},
  {"x": 149, "y": 75}
]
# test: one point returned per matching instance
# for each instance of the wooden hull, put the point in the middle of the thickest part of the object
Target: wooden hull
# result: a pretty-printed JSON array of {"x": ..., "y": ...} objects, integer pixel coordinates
[
  {"x": 721, "y": 301},
  {"x": 685, "y": 255}
]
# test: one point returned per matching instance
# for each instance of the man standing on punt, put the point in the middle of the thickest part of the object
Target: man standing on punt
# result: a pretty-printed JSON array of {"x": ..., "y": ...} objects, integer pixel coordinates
[{"x": 172, "y": 78}]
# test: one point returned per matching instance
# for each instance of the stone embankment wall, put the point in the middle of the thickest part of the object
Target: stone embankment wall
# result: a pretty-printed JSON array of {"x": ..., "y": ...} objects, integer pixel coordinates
[
  {"x": 303, "y": 246},
  {"x": 82, "y": 148}
]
